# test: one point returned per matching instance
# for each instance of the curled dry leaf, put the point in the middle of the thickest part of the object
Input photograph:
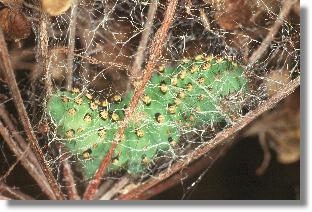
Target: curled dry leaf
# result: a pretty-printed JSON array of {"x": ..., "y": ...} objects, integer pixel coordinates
[
  {"x": 12, "y": 3},
  {"x": 114, "y": 62},
  {"x": 14, "y": 24},
  {"x": 234, "y": 14},
  {"x": 279, "y": 129},
  {"x": 56, "y": 7},
  {"x": 276, "y": 80},
  {"x": 57, "y": 65}
]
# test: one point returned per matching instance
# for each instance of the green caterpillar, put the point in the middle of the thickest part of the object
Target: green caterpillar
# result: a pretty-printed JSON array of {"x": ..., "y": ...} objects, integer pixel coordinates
[{"x": 177, "y": 100}]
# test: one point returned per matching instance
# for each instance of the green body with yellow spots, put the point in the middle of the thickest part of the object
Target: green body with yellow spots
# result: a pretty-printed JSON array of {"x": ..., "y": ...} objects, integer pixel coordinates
[{"x": 177, "y": 100}]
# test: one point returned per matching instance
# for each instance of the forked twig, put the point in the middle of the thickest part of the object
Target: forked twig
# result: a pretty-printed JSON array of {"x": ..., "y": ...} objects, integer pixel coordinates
[
  {"x": 156, "y": 48},
  {"x": 287, "y": 5},
  {"x": 143, "y": 189},
  {"x": 31, "y": 168},
  {"x": 17, "y": 98}
]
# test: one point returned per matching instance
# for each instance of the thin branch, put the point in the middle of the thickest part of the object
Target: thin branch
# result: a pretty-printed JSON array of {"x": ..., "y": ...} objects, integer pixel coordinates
[
  {"x": 20, "y": 141},
  {"x": 43, "y": 52},
  {"x": 12, "y": 167},
  {"x": 287, "y": 6},
  {"x": 71, "y": 44},
  {"x": 144, "y": 188},
  {"x": 115, "y": 189},
  {"x": 135, "y": 71},
  {"x": 3, "y": 197},
  {"x": 105, "y": 187},
  {"x": 156, "y": 49},
  {"x": 17, "y": 98},
  {"x": 13, "y": 192},
  {"x": 69, "y": 181}
]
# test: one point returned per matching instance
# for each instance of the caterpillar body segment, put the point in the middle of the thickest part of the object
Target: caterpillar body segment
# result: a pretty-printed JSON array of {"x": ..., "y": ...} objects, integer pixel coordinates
[{"x": 197, "y": 92}]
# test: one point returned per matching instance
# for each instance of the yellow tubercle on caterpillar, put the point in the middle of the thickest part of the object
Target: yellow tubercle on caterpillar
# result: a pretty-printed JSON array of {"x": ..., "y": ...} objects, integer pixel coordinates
[
  {"x": 70, "y": 133},
  {"x": 104, "y": 114},
  {"x": 105, "y": 103},
  {"x": 220, "y": 60},
  {"x": 181, "y": 95},
  {"x": 159, "y": 118},
  {"x": 189, "y": 87},
  {"x": 115, "y": 161},
  {"x": 177, "y": 101},
  {"x": 209, "y": 58},
  {"x": 75, "y": 90},
  {"x": 201, "y": 97},
  {"x": 145, "y": 160},
  {"x": 206, "y": 66},
  {"x": 78, "y": 101},
  {"x": 199, "y": 57},
  {"x": 89, "y": 96},
  {"x": 64, "y": 99},
  {"x": 117, "y": 98},
  {"x": 201, "y": 80},
  {"x": 197, "y": 109},
  {"x": 86, "y": 154},
  {"x": 93, "y": 105},
  {"x": 182, "y": 74},
  {"x": 161, "y": 69},
  {"x": 102, "y": 132},
  {"x": 174, "y": 81},
  {"x": 146, "y": 100},
  {"x": 139, "y": 133},
  {"x": 87, "y": 118},
  {"x": 194, "y": 68},
  {"x": 163, "y": 87},
  {"x": 172, "y": 109},
  {"x": 115, "y": 116},
  {"x": 80, "y": 129},
  {"x": 71, "y": 111}
]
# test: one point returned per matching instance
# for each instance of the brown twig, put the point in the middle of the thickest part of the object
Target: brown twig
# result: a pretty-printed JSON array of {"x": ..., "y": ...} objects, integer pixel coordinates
[
  {"x": 20, "y": 141},
  {"x": 13, "y": 193},
  {"x": 115, "y": 188},
  {"x": 69, "y": 177},
  {"x": 143, "y": 188},
  {"x": 12, "y": 167},
  {"x": 135, "y": 72},
  {"x": 31, "y": 168},
  {"x": 104, "y": 187},
  {"x": 43, "y": 52},
  {"x": 287, "y": 5},
  {"x": 17, "y": 98},
  {"x": 156, "y": 49},
  {"x": 3, "y": 197},
  {"x": 71, "y": 44}
]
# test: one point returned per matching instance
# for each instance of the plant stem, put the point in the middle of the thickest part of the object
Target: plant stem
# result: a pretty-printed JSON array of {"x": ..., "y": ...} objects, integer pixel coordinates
[
  {"x": 156, "y": 49},
  {"x": 17, "y": 98}
]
